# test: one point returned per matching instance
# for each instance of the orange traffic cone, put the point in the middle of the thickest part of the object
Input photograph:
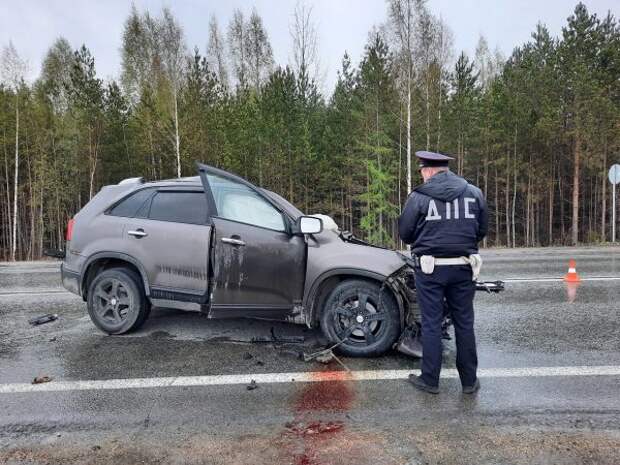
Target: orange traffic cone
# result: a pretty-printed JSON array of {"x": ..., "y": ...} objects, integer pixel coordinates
[{"x": 572, "y": 276}]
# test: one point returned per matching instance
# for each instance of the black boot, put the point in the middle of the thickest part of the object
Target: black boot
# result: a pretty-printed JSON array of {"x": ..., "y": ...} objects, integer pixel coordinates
[
  {"x": 422, "y": 386},
  {"x": 472, "y": 389}
]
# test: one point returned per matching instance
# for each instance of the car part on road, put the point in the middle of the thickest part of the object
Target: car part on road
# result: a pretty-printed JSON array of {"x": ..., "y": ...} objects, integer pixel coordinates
[
  {"x": 42, "y": 379},
  {"x": 252, "y": 386},
  {"x": 492, "y": 287},
  {"x": 409, "y": 342},
  {"x": 116, "y": 301},
  {"x": 325, "y": 357},
  {"x": 285, "y": 338},
  {"x": 322, "y": 356},
  {"x": 40, "y": 320},
  {"x": 54, "y": 253},
  {"x": 363, "y": 316}
]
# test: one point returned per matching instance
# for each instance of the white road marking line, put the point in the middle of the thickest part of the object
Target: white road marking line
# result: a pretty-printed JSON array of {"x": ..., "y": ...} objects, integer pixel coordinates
[
  {"x": 30, "y": 270},
  {"x": 34, "y": 293},
  {"x": 301, "y": 377},
  {"x": 551, "y": 279}
]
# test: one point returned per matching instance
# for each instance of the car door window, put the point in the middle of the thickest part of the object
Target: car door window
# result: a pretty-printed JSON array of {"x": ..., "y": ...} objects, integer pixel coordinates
[
  {"x": 179, "y": 207},
  {"x": 237, "y": 202}
]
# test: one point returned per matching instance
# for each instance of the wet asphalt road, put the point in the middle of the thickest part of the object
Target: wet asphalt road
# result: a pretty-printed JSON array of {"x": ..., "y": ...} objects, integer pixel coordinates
[{"x": 522, "y": 419}]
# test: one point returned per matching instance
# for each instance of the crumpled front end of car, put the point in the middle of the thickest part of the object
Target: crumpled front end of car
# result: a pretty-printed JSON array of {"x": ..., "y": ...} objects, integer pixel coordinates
[{"x": 402, "y": 284}]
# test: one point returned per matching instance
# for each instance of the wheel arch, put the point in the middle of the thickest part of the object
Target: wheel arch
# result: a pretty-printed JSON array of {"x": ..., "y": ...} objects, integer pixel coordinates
[
  {"x": 326, "y": 282},
  {"x": 104, "y": 260}
]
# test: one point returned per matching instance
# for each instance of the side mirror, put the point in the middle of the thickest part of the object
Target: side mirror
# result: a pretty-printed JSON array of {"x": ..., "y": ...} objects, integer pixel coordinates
[{"x": 309, "y": 225}]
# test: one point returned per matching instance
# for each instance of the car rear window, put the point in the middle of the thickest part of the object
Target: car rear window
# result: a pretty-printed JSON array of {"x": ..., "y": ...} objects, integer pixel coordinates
[
  {"x": 180, "y": 207},
  {"x": 131, "y": 205}
]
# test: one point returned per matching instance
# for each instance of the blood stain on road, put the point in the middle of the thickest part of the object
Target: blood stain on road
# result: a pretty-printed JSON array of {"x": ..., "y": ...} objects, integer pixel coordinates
[{"x": 331, "y": 391}]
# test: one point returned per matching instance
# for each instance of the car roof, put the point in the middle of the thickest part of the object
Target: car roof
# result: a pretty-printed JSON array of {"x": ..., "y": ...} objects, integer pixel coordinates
[
  {"x": 187, "y": 181},
  {"x": 195, "y": 181}
]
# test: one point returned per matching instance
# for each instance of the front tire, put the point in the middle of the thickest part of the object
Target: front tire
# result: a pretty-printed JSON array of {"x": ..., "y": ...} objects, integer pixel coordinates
[
  {"x": 117, "y": 303},
  {"x": 364, "y": 316}
]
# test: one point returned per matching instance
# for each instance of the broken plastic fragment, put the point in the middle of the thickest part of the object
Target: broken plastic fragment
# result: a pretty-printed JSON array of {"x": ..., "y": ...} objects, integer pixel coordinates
[
  {"x": 43, "y": 319},
  {"x": 41, "y": 379}
]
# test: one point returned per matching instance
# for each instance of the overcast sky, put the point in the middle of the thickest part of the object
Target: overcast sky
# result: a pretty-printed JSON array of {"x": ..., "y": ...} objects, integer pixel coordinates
[{"x": 33, "y": 25}]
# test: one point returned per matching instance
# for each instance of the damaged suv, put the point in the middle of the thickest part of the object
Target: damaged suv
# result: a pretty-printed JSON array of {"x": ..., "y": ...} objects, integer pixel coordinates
[{"x": 220, "y": 245}]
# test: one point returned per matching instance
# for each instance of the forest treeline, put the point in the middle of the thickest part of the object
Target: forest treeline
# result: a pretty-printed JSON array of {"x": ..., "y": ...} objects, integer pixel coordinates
[{"x": 536, "y": 130}]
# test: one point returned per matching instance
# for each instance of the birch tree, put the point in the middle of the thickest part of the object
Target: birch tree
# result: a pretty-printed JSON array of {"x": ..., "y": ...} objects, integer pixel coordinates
[
  {"x": 14, "y": 70},
  {"x": 237, "y": 48},
  {"x": 174, "y": 59},
  {"x": 305, "y": 47},
  {"x": 154, "y": 59},
  {"x": 56, "y": 73},
  {"x": 402, "y": 17},
  {"x": 444, "y": 55},
  {"x": 425, "y": 52},
  {"x": 139, "y": 53},
  {"x": 258, "y": 50},
  {"x": 216, "y": 53}
]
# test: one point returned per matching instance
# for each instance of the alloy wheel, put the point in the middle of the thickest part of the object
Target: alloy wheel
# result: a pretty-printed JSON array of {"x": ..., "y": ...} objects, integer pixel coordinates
[
  {"x": 112, "y": 301},
  {"x": 359, "y": 319}
]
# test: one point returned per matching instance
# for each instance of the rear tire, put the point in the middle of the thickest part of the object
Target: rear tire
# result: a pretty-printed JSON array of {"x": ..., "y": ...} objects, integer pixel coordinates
[
  {"x": 117, "y": 303},
  {"x": 362, "y": 314}
]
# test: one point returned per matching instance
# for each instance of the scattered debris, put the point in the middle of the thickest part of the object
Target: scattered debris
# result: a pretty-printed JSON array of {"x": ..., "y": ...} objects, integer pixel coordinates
[
  {"x": 314, "y": 355},
  {"x": 43, "y": 319},
  {"x": 314, "y": 428},
  {"x": 260, "y": 363},
  {"x": 54, "y": 253},
  {"x": 96, "y": 447},
  {"x": 410, "y": 342},
  {"x": 285, "y": 338},
  {"x": 53, "y": 339},
  {"x": 325, "y": 357},
  {"x": 295, "y": 352},
  {"x": 42, "y": 379},
  {"x": 248, "y": 356},
  {"x": 252, "y": 386}
]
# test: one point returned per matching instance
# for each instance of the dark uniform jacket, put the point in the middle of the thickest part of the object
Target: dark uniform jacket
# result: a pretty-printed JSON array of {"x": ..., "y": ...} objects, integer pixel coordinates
[{"x": 444, "y": 217}]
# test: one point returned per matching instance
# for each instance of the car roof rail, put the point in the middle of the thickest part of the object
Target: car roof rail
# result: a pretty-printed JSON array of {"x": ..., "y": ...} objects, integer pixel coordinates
[{"x": 138, "y": 180}]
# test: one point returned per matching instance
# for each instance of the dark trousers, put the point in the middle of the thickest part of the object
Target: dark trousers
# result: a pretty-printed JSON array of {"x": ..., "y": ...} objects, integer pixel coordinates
[{"x": 454, "y": 283}]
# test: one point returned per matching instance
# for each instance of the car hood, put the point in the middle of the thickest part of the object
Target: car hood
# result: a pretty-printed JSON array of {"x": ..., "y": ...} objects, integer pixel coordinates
[{"x": 328, "y": 251}]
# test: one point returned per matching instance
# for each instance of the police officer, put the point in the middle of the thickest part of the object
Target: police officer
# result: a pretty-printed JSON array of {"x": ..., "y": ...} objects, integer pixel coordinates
[{"x": 443, "y": 220}]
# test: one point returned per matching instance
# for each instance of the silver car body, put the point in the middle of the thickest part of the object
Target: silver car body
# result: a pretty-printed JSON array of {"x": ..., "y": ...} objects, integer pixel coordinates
[{"x": 275, "y": 274}]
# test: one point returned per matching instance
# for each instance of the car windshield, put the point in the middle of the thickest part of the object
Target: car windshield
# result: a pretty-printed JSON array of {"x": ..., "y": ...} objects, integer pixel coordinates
[{"x": 287, "y": 206}]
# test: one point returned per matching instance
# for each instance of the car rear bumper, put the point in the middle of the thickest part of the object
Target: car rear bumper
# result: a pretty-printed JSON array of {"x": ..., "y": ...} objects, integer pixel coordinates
[{"x": 70, "y": 279}]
